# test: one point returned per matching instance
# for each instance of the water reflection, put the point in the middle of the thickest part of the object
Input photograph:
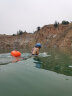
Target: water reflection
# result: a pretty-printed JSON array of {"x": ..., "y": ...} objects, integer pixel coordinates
[
  {"x": 16, "y": 59},
  {"x": 37, "y": 62},
  {"x": 57, "y": 62},
  {"x": 7, "y": 58}
]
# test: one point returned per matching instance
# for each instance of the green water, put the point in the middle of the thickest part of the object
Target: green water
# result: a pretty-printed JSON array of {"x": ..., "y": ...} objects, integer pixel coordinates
[{"x": 49, "y": 74}]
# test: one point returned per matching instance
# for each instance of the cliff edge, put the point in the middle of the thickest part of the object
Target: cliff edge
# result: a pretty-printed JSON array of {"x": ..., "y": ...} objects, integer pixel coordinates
[{"x": 48, "y": 36}]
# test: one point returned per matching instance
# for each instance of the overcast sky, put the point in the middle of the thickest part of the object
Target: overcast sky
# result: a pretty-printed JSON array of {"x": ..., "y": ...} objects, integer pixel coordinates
[{"x": 29, "y": 14}]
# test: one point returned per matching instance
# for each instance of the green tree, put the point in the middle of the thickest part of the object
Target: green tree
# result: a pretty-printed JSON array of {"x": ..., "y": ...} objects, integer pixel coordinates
[
  {"x": 38, "y": 28},
  {"x": 56, "y": 24},
  {"x": 20, "y": 32}
]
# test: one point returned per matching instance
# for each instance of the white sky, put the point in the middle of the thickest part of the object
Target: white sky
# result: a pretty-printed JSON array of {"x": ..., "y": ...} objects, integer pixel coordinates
[{"x": 29, "y": 14}]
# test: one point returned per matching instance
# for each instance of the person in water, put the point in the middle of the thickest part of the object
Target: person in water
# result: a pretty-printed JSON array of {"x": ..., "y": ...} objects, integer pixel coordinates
[{"x": 35, "y": 50}]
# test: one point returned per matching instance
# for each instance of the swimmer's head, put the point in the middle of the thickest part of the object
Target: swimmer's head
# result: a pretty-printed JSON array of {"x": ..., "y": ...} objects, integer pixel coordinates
[{"x": 38, "y": 45}]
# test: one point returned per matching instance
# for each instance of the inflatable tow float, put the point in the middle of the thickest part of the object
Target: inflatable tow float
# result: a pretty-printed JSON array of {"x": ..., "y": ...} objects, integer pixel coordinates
[{"x": 15, "y": 53}]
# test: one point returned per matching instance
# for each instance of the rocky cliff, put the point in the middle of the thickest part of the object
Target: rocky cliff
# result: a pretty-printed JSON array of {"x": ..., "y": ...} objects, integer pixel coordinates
[{"x": 48, "y": 36}]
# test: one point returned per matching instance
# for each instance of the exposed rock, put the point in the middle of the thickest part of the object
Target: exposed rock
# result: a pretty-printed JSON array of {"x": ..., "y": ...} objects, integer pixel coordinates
[{"x": 48, "y": 36}]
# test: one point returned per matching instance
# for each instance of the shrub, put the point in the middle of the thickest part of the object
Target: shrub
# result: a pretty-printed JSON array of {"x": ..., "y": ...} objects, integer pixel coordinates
[
  {"x": 65, "y": 22},
  {"x": 14, "y": 34}
]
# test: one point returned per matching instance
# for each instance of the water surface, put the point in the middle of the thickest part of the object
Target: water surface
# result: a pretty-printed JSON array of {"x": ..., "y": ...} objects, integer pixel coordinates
[{"x": 49, "y": 74}]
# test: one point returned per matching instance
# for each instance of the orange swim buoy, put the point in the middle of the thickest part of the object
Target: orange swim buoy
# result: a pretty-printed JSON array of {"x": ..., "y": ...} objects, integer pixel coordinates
[{"x": 15, "y": 53}]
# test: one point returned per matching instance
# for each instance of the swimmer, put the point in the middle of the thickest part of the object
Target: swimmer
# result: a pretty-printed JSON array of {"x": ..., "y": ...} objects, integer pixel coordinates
[{"x": 35, "y": 50}]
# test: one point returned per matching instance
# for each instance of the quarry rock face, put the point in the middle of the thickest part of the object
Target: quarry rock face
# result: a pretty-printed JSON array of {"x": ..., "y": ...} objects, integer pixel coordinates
[{"x": 48, "y": 36}]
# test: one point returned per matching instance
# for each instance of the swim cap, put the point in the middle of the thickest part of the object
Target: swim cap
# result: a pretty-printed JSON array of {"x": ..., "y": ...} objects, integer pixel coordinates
[{"x": 38, "y": 45}]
